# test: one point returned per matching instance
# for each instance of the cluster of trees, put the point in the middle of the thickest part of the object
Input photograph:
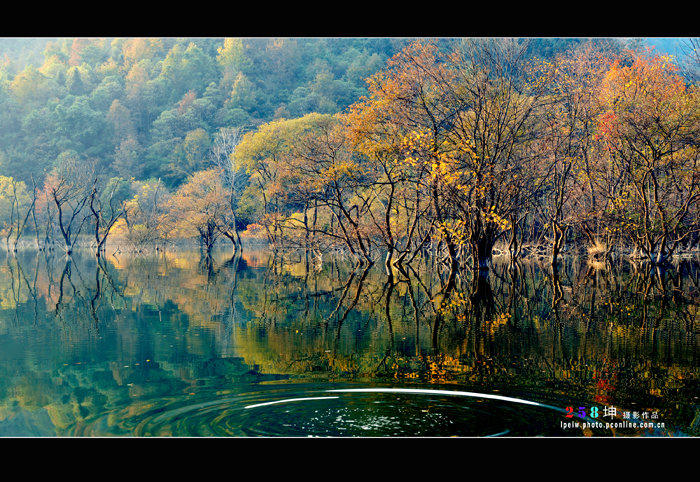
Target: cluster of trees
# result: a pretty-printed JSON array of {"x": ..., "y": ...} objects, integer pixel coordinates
[
  {"x": 129, "y": 118},
  {"x": 457, "y": 146},
  {"x": 454, "y": 150}
]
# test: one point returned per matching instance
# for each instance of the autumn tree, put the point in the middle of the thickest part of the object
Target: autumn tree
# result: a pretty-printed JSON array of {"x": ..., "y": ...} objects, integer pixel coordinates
[
  {"x": 379, "y": 132},
  {"x": 107, "y": 204},
  {"x": 494, "y": 140},
  {"x": 222, "y": 155},
  {"x": 329, "y": 178},
  {"x": 197, "y": 208},
  {"x": 232, "y": 60},
  {"x": 69, "y": 188},
  {"x": 266, "y": 155},
  {"x": 144, "y": 212},
  {"x": 567, "y": 198},
  {"x": 649, "y": 128},
  {"x": 30, "y": 87},
  {"x": 465, "y": 119},
  {"x": 405, "y": 118}
]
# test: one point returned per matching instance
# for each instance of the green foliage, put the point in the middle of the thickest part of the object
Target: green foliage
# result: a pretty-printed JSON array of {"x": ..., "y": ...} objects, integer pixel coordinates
[{"x": 102, "y": 97}]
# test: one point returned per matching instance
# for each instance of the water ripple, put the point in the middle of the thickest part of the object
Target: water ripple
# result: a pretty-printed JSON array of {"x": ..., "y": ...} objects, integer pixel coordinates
[{"x": 314, "y": 411}]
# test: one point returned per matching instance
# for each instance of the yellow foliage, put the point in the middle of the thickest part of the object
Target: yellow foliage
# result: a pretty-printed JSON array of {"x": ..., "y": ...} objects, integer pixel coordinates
[{"x": 119, "y": 228}]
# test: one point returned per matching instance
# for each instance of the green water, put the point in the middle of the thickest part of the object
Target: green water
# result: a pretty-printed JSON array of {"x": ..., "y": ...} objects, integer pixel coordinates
[{"x": 169, "y": 345}]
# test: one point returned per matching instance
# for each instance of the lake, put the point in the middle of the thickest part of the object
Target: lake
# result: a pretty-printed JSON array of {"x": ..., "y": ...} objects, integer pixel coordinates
[{"x": 289, "y": 345}]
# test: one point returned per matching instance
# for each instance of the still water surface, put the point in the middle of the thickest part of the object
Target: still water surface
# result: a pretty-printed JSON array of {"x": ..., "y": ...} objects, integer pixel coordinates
[{"x": 261, "y": 345}]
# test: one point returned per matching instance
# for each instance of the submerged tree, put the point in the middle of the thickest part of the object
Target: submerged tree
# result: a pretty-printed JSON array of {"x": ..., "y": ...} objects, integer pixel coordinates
[
  {"x": 401, "y": 128},
  {"x": 69, "y": 187},
  {"x": 144, "y": 212},
  {"x": 380, "y": 131},
  {"x": 268, "y": 157},
  {"x": 16, "y": 206},
  {"x": 494, "y": 138},
  {"x": 567, "y": 200},
  {"x": 107, "y": 206},
  {"x": 223, "y": 156},
  {"x": 197, "y": 209},
  {"x": 337, "y": 183}
]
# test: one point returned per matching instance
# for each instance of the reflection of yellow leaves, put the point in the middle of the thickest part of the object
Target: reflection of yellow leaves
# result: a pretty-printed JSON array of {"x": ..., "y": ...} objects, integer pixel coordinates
[
  {"x": 439, "y": 368},
  {"x": 500, "y": 320},
  {"x": 447, "y": 304},
  {"x": 178, "y": 260}
]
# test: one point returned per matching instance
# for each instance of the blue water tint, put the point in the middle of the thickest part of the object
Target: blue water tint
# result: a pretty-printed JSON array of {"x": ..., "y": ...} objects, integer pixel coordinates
[{"x": 169, "y": 346}]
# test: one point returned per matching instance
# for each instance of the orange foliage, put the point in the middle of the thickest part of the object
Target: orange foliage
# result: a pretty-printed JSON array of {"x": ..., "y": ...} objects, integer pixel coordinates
[{"x": 200, "y": 202}]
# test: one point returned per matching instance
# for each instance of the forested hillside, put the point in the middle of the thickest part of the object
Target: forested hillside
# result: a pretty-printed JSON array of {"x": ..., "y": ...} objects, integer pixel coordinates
[{"x": 147, "y": 107}]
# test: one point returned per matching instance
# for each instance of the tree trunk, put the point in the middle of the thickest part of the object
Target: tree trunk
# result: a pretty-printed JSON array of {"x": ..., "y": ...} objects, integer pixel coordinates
[
  {"x": 559, "y": 233},
  {"x": 482, "y": 252}
]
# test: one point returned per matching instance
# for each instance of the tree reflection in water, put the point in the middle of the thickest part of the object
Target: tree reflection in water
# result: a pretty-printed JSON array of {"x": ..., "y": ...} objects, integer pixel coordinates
[{"x": 614, "y": 333}]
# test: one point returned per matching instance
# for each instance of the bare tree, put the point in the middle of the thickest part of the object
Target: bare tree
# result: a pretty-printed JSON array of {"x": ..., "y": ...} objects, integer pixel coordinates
[
  {"x": 690, "y": 48},
  {"x": 19, "y": 211},
  {"x": 69, "y": 188},
  {"x": 222, "y": 155},
  {"x": 106, "y": 209}
]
